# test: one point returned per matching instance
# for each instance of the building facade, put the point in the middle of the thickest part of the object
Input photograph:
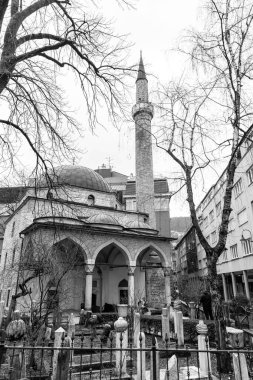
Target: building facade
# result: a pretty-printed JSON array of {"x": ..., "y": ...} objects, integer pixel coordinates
[
  {"x": 74, "y": 226},
  {"x": 235, "y": 265}
]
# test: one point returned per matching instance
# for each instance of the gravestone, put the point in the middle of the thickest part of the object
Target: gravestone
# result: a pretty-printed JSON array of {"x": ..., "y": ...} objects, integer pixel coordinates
[
  {"x": 203, "y": 345},
  {"x": 165, "y": 323},
  {"x": 180, "y": 328},
  {"x": 57, "y": 343},
  {"x": 236, "y": 337},
  {"x": 240, "y": 367},
  {"x": 71, "y": 325},
  {"x": 1, "y": 311},
  {"x": 155, "y": 292},
  {"x": 172, "y": 369},
  {"x": 137, "y": 328}
]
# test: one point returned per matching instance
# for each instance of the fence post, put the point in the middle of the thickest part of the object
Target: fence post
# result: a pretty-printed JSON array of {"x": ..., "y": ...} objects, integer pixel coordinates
[
  {"x": 57, "y": 343},
  {"x": 203, "y": 344},
  {"x": 154, "y": 361},
  {"x": 137, "y": 328},
  {"x": 165, "y": 323},
  {"x": 141, "y": 357}
]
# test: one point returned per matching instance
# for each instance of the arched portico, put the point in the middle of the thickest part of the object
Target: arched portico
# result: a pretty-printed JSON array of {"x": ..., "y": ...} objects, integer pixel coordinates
[
  {"x": 152, "y": 276},
  {"x": 68, "y": 268},
  {"x": 110, "y": 268}
]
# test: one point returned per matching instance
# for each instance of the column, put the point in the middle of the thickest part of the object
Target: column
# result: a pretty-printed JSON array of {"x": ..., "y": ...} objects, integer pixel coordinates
[
  {"x": 234, "y": 284},
  {"x": 88, "y": 286},
  {"x": 246, "y": 284},
  {"x": 224, "y": 284},
  {"x": 131, "y": 270},
  {"x": 167, "y": 272}
]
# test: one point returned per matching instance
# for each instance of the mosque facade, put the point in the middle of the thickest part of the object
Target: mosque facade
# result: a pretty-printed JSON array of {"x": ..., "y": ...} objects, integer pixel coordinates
[{"x": 73, "y": 237}]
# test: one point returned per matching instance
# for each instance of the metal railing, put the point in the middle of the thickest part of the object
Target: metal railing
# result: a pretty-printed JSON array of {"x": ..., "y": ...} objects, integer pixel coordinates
[{"x": 88, "y": 357}]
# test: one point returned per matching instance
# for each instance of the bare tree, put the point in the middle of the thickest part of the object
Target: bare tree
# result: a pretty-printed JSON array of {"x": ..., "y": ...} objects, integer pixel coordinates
[
  {"x": 42, "y": 278},
  {"x": 212, "y": 119},
  {"x": 42, "y": 41}
]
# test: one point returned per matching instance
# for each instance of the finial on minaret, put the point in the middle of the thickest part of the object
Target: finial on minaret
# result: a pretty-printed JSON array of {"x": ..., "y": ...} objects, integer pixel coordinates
[{"x": 141, "y": 70}]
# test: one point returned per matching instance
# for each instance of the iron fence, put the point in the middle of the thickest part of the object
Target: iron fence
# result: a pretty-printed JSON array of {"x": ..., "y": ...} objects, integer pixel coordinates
[{"x": 94, "y": 358}]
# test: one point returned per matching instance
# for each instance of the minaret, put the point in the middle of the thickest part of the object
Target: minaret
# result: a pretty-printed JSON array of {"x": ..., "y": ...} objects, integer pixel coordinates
[{"x": 142, "y": 114}]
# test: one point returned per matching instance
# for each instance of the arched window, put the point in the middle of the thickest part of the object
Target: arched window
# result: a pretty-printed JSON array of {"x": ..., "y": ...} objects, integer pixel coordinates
[
  {"x": 91, "y": 200},
  {"x": 123, "y": 292}
]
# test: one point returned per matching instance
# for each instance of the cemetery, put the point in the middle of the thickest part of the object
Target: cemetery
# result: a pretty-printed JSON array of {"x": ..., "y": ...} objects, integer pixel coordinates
[{"x": 128, "y": 344}]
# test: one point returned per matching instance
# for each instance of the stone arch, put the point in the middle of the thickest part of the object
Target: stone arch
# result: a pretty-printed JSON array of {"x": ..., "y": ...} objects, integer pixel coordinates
[
  {"x": 154, "y": 247},
  {"x": 76, "y": 241},
  {"x": 118, "y": 245}
]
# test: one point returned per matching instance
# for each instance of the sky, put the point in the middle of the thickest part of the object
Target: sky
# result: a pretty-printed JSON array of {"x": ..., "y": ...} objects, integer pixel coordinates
[{"x": 154, "y": 27}]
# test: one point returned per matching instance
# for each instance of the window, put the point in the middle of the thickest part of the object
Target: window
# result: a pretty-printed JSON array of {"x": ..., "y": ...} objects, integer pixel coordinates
[
  {"x": 13, "y": 257},
  {"x": 13, "y": 229},
  {"x": 91, "y": 200},
  {"x": 231, "y": 225},
  {"x": 250, "y": 175},
  {"x": 5, "y": 260},
  {"x": 242, "y": 217},
  {"x": 225, "y": 255},
  {"x": 238, "y": 188},
  {"x": 247, "y": 246},
  {"x": 8, "y": 298},
  {"x": 218, "y": 208},
  {"x": 213, "y": 237},
  {"x": 211, "y": 216},
  {"x": 205, "y": 222},
  {"x": 234, "y": 251}
]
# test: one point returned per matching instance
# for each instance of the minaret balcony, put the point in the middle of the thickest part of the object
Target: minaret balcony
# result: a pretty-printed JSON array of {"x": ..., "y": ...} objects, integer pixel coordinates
[{"x": 143, "y": 107}]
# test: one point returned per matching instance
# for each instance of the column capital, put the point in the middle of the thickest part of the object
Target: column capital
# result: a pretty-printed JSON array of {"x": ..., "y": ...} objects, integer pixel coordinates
[
  {"x": 167, "y": 271},
  {"x": 131, "y": 270},
  {"x": 89, "y": 268}
]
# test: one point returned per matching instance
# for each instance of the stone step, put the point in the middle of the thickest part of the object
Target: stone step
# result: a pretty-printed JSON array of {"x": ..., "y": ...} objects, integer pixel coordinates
[
  {"x": 96, "y": 375},
  {"x": 95, "y": 366}
]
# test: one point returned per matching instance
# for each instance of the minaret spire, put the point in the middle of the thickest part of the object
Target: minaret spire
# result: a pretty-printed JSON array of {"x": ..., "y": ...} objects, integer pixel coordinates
[
  {"x": 142, "y": 114},
  {"x": 141, "y": 70}
]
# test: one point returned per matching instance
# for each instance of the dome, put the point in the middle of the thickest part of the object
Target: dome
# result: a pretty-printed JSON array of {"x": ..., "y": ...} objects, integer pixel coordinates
[
  {"x": 139, "y": 226},
  {"x": 78, "y": 176},
  {"x": 104, "y": 220}
]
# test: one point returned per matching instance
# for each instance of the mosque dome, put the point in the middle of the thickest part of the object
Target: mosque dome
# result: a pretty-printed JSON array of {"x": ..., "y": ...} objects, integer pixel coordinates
[
  {"x": 104, "y": 220},
  {"x": 138, "y": 226},
  {"x": 78, "y": 176}
]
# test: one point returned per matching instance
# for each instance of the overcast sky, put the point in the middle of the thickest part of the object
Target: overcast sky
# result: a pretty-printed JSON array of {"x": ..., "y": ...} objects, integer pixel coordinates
[{"x": 153, "y": 27}]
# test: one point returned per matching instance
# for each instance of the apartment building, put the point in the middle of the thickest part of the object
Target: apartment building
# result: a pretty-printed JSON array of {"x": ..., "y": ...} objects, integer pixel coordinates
[{"x": 235, "y": 265}]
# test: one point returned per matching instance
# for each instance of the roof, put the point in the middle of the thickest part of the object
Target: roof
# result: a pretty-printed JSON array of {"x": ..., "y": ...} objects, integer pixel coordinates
[
  {"x": 160, "y": 187},
  {"x": 78, "y": 176},
  {"x": 184, "y": 236}
]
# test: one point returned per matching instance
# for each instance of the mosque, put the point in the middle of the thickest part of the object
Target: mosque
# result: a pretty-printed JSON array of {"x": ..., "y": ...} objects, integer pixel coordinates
[{"x": 85, "y": 239}]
